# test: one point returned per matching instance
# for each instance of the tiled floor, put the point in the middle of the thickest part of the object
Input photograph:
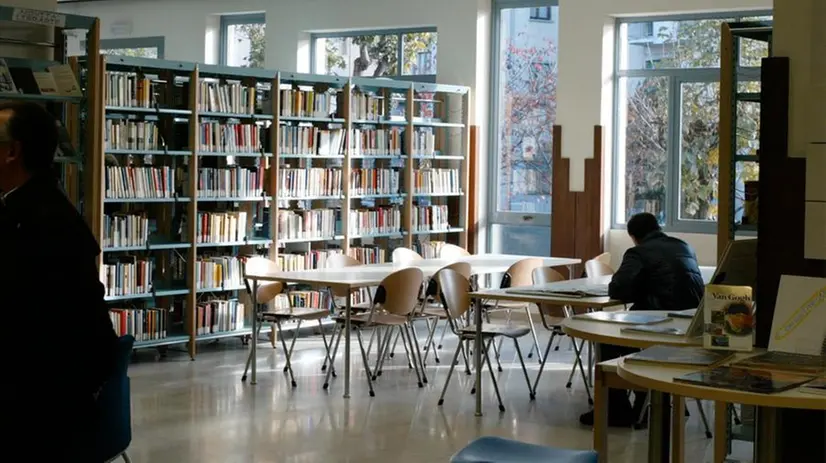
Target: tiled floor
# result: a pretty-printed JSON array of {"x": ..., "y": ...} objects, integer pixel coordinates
[{"x": 185, "y": 411}]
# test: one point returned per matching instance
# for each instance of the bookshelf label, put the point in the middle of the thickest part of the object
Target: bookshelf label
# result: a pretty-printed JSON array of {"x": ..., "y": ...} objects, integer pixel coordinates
[{"x": 45, "y": 18}]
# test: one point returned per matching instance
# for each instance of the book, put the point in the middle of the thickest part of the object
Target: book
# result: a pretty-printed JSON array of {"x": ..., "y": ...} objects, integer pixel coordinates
[
  {"x": 575, "y": 293},
  {"x": 728, "y": 318},
  {"x": 818, "y": 386},
  {"x": 688, "y": 314},
  {"x": 654, "y": 329},
  {"x": 679, "y": 356},
  {"x": 799, "y": 321},
  {"x": 628, "y": 318},
  {"x": 742, "y": 379},
  {"x": 784, "y": 361}
]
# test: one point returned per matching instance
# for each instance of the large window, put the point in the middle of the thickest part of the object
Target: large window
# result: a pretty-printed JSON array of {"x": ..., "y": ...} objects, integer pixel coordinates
[
  {"x": 667, "y": 116},
  {"x": 409, "y": 54},
  {"x": 524, "y": 112},
  {"x": 140, "y": 47},
  {"x": 242, "y": 40}
]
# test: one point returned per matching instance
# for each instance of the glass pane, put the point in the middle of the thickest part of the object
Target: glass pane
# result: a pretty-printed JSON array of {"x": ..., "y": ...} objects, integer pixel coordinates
[
  {"x": 366, "y": 55},
  {"x": 147, "y": 52},
  {"x": 522, "y": 240},
  {"x": 745, "y": 193},
  {"x": 670, "y": 44},
  {"x": 246, "y": 45},
  {"x": 526, "y": 96},
  {"x": 752, "y": 51},
  {"x": 643, "y": 147},
  {"x": 419, "y": 50},
  {"x": 699, "y": 150}
]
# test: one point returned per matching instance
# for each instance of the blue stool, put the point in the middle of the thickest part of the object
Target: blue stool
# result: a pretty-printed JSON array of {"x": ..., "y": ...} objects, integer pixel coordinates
[
  {"x": 498, "y": 450},
  {"x": 115, "y": 432}
]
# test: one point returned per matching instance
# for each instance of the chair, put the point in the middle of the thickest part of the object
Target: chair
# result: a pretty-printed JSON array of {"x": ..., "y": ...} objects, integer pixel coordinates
[
  {"x": 342, "y": 261},
  {"x": 596, "y": 268},
  {"x": 114, "y": 433},
  {"x": 519, "y": 274},
  {"x": 490, "y": 449},
  {"x": 405, "y": 255},
  {"x": 392, "y": 311},
  {"x": 456, "y": 296},
  {"x": 552, "y": 317},
  {"x": 428, "y": 312},
  {"x": 605, "y": 258},
  {"x": 278, "y": 315},
  {"x": 452, "y": 252}
]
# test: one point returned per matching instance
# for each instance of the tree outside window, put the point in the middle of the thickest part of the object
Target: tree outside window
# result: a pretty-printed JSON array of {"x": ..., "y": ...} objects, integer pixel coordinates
[
  {"x": 377, "y": 55},
  {"x": 244, "y": 39}
]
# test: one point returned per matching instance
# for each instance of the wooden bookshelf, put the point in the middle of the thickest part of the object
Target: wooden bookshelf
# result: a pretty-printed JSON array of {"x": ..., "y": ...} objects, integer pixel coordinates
[{"x": 306, "y": 148}]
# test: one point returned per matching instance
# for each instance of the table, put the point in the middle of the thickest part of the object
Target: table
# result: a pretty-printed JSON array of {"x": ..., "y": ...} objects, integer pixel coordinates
[
  {"x": 364, "y": 276},
  {"x": 661, "y": 379},
  {"x": 611, "y": 333}
]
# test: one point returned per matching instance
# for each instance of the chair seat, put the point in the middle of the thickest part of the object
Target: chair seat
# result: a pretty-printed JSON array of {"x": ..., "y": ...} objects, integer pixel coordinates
[
  {"x": 499, "y": 450},
  {"x": 494, "y": 329},
  {"x": 302, "y": 313},
  {"x": 504, "y": 305},
  {"x": 432, "y": 312},
  {"x": 378, "y": 319}
]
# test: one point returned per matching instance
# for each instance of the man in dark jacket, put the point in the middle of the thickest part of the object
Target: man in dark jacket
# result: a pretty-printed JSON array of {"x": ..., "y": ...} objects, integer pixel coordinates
[
  {"x": 659, "y": 273},
  {"x": 51, "y": 295}
]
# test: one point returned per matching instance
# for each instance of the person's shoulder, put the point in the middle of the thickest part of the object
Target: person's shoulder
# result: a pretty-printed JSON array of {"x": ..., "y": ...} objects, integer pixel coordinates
[{"x": 58, "y": 219}]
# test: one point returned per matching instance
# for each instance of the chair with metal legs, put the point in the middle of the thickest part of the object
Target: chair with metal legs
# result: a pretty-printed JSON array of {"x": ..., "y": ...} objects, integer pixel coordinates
[
  {"x": 279, "y": 315},
  {"x": 455, "y": 290},
  {"x": 433, "y": 308}
]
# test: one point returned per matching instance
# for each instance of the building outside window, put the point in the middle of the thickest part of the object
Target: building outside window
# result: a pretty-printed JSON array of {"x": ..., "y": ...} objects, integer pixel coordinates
[
  {"x": 542, "y": 13},
  {"x": 667, "y": 116},
  {"x": 243, "y": 42}
]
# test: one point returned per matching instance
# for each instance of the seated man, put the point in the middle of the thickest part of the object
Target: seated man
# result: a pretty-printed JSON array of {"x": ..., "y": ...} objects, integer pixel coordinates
[{"x": 659, "y": 273}]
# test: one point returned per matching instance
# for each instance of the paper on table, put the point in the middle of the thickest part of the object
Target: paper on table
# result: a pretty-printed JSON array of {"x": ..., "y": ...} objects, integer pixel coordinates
[{"x": 799, "y": 323}]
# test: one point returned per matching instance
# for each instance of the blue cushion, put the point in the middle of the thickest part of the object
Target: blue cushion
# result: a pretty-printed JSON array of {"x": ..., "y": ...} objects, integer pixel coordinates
[{"x": 499, "y": 450}]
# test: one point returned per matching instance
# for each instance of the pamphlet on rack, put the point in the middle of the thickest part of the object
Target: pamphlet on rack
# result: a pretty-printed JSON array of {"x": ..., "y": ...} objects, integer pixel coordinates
[{"x": 728, "y": 318}]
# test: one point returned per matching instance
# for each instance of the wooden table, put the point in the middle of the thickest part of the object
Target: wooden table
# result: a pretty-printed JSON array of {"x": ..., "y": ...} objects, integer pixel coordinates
[
  {"x": 364, "y": 276},
  {"x": 611, "y": 333},
  {"x": 661, "y": 379}
]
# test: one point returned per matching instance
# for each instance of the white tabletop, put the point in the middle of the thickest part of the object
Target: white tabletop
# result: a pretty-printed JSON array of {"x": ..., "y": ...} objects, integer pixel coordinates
[
  {"x": 480, "y": 264},
  {"x": 566, "y": 285},
  {"x": 611, "y": 333}
]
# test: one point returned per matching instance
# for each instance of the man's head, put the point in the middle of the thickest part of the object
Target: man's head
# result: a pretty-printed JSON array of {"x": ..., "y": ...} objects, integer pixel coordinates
[
  {"x": 28, "y": 140},
  {"x": 641, "y": 225}
]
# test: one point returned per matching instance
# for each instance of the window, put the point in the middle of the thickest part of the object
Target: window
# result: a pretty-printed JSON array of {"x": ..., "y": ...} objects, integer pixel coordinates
[
  {"x": 243, "y": 42},
  {"x": 667, "y": 116},
  {"x": 409, "y": 53},
  {"x": 543, "y": 13},
  {"x": 524, "y": 112},
  {"x": 140, "y": 47}
]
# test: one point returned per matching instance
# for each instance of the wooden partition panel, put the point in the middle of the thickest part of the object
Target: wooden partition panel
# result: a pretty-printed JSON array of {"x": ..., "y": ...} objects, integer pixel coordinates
[
  {"x": 563, "y": 203},
  {"x": 589, "y": 224}
]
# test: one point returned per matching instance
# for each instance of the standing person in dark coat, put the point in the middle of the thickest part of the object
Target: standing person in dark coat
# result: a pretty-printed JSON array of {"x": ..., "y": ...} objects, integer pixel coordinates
[
  {"x": 659, "y": 273},
  {"x": 56, "y": 322}
]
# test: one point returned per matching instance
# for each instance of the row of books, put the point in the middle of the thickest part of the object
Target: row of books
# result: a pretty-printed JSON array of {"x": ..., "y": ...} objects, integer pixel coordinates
[
  {"x": 431, "y": 218},
  {"x": 125, "y": 230},
  {"x": 437, "y": 181},
  {"x": 218, "y": 316},
  {"x": 376, "y": 142},
  {"x": 306, "y": 102},
  {"x": 127, "y": 89},
  {"x": 230, "y": 97},
  {"x": 221, "y": 227},
  {"x": 135, "y": 182},
  {"x": 307, "y": 224},
  {"x": 144, "y": 324},
  {"x": 306, "y": 261},
  {"x": 218, "y": 272},
  {"x": 428, "y": 249},
  {"x": 374, "y": 181},
  {"x": 230, "y": 138},
  {"x": 303, "y": 299},
  {"x": 424, "y": 142},
  {"x": 123, "y": 134},
  {"x": 369, "y": 254},
  {"x": 126, "y": 275},
  {"x": 230, "y": 182},
  {"x": 313, "y": 182},
  {"x": 365, "y": 106},
  {"x": 375, "y": 221},
  {"x": 310, "y": 140}
]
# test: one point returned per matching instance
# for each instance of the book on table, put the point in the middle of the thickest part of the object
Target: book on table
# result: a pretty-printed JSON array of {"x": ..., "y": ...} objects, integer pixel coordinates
[
  {"x": 562, "y": 289},
  {"x": 678, "y": 356},
  {"x": 687, "y": 314},
  {"x": 728, "y": 318},
  {"x": 743, "y": 379},
  {"x": 818, "y": 386},
  {"x": 654, "y": 329},
  {"x": 626, "y": 318}
]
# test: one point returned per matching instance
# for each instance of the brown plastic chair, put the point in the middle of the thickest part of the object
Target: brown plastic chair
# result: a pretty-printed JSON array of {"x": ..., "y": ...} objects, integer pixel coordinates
[
  {"x": 405, "y": 255},
  {"x": 401, "y": 296},
  {"x": 452, "y": 252},
  {"x": 595, "y": 268},
  {"x": 605, "y": 258},
  {"x": 455, "y": 294},
  {"x": 264, "y": 295},
  {"x": 519, "y": 274},
  {"x": 433, "y": 308}
]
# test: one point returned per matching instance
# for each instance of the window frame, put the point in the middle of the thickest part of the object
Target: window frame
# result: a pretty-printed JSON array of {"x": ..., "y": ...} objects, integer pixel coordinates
[
  {"x": 234, "y": 20},
  {"x": 156, "y": 42},
  {"x": 538, "y": 10},
  {"x": 398, "y": 32},
  {"x": 676, "y": 77}
]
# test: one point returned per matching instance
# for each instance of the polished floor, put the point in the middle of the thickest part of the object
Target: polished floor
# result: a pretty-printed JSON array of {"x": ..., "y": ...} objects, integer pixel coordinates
[{"x": 185, "y": 411}]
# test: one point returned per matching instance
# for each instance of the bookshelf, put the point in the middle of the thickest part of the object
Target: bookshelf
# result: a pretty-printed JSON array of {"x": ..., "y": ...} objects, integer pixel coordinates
[
  {"x": 54, "y": 80},
  {"x": 237, "y": 162}
]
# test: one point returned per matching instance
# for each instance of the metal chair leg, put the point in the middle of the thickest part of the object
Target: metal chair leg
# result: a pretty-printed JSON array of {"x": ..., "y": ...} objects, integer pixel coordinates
[
  {"x": 249, "y": 357},
  {"x": 327, "y": 347},
  {"x": 524, "y": 370},
  {"x": 442, "y": 337},
  {"x": 542, "y": 365},
  {"x": 388, "y": 335},
  {"x": 496, "y": 351},
  {"x": 704, "y": 418},
  {"x": 535, "y": 345},
  {"x": 431, "y": 333},
  {"x": 405, "y": 335},
  {"x": 287, "y": 368},
  {"x": 577, "y": 360},
  {"x": 417, "y": 353},
  {"x": 450, "y": 373},
  {"x": 493, "y": 377},
  {"x": 335, "y": 351},
  {"x": 366, "y": 363},
  {"x": 393, "y": 349}
]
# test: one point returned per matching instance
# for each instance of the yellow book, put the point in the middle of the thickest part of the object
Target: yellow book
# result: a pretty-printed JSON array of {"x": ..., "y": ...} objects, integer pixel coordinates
[{"x": 728, "y": 317}]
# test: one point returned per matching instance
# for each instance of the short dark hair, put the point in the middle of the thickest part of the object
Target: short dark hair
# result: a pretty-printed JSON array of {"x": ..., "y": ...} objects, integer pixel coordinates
[
  {"x": 641, "y": 225},
  {"x": 36, "y": 131}
]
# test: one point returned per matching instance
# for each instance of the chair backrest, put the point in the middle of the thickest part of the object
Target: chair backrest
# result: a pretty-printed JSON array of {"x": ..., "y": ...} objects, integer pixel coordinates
[
  {"x": 342, "y": 261},
  {"x": 521, "y": 273},
  {"x": 266, "y": 291},
  {"x": 433, "y": 285},
  {"x": 401, "y": 290},
  {"x": 605, "y": 258},
  {"x": 543, "y": 275},
  {"x": 455, "y": 289},
  {"x": 114, "y": 432},
  {"x": 595, "y": 268},
  {"x": 452, "y": 252},
  {"x": 405, "y": 255}
]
